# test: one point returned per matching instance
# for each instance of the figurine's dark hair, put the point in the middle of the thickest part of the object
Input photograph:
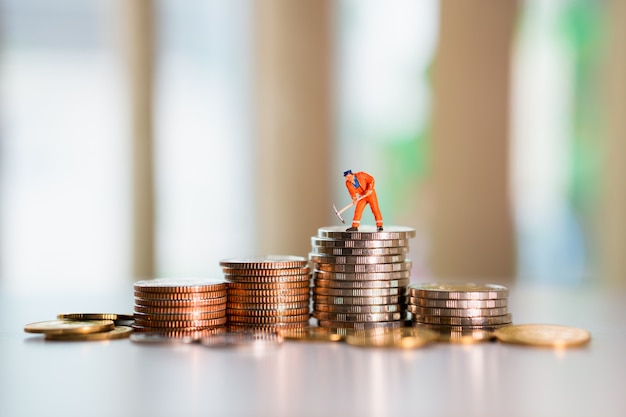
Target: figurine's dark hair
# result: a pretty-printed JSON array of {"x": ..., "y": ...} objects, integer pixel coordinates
[{"x": 347, "y": 172}]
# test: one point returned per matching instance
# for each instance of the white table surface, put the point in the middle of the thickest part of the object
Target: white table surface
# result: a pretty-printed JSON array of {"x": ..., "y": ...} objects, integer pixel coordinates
[{"x": 122, "y": 378}]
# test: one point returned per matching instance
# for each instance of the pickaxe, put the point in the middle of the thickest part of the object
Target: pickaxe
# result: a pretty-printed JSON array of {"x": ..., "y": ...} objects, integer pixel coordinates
[{"x": 338, "y": 212}]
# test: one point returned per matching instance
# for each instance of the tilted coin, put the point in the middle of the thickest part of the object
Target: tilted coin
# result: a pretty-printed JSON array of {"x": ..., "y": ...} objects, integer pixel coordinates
[
  {"x": 545, "y": 335},
  {"x": 268, "y": 286},
  {"x": 330, "y": 283},
  {"x": 269, "y": 292},
  {"x": 356, "y": 260},
  {"x": 464, "y": 291},
  {"x": 464, "y": 321},
  {"x": 242, "y": 338},
  {"x": 219, "y": 308},
  {"x": 95, "y": 316},
  {"x": 118, "y": 332},
  {"x": 361, "y": 317},
  {"x": 367, "y": 233},
  {"x": 167, "y": 285},
  {"x": 402, "y": 338},
  {"x": 357, "y": 244},
  {"x": 268, "y": 319},
  {"x": 360, "y": 325},
  {"x": 360, "y": 268},
  {"x": 457, "y": 312},
  {"x": 267, "y": 306},
  {"x": 358, "y": 292},
  {"x": 362, "y": 276},
  {"x": 180, "y": 296},
  {"x": 193, "y": 315},
  {"x": 359, "y": 251},
  {"x": 181, "y": 324},
  {"x": 311, "y": 334},
  {"x": 192, "y": 303},
  {"x": 270, "y": 300},
  {"x": 69, "y": 326},
  {"x": 361, "y": 309},
  {"x": 265, "y": 262},
  {"x": 267, "y": 313},
  {"x": 325, "y": 299},
  {"x": 284, "y": 272},
  {"x": 429, "y": 302}
]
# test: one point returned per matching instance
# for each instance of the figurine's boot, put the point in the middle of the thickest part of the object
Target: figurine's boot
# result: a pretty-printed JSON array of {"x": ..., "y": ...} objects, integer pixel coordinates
[
  {"x": 352, "y": 229},
  {"x": 379, "y": 225}
]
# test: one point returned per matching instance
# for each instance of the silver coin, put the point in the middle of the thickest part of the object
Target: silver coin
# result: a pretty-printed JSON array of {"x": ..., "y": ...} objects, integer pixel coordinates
[
  {"x": 362, "y": 276},
  {"x": 324, "y": 299},
  {"x": 359, "y": 292},
  {"x": 360, "y": 260},
  {"x": 457, "y": 312},
  {"x": 463, "y": 321},
  {"x": 367, "y": 233},
  {"x": 359, "y": 251},
  {"x": 458, "y": 291},
  {"x": 360, "y": 325},
  {"x": 362, "y": 244},
  {"x": 331, "y": 283},
  {"x": 358, "y": 317},
  {"x": 361, "y": 309},
  {"x": 429, "y": 302},
  {"x": 352, "y": 268}
]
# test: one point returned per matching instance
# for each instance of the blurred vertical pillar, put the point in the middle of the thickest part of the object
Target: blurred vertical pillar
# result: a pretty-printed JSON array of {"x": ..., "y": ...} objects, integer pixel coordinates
[
  {"x": 613, "y": 201},
  {"x": 139, "y": 45},
  {"x": 472, "y": 229},
  {"x": 293, "y": 111}
]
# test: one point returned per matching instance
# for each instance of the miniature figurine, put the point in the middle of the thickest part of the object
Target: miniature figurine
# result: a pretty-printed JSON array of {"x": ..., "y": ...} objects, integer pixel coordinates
[{"x": 361, "y": 188}]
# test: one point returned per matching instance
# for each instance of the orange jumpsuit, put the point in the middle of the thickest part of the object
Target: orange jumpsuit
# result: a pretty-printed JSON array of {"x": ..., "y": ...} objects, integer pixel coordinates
[{"x": 366, "y": 183}]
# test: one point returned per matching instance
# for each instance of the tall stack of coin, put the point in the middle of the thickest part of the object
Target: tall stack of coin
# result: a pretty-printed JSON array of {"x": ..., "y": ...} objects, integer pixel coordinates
[
  {"x": 180, "y": 307},
  {"x": 360, "y": 277},
  {"x": 267, "y": 293},
  {"x": 459, "y": 309}
]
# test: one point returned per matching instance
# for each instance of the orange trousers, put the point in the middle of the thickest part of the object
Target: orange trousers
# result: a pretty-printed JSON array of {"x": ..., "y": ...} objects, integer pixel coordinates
[{"x": 372, "y": 200}]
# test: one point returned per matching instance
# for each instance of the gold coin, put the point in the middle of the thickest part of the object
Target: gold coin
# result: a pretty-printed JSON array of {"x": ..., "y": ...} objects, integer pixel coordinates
[
  {"x": 268, "y": 279},
  {"x": 359, "y": 292},
  {"x": 311, "y": 334},
  {"x": 299, "y": 273},
  {"x": 463, "y": 321},
  {"x": 267, "y": 313},
  {"x": 457, "y": 312},
  {"x": 95, "y": 316},
  {"x": 266, "y": 327},
  {"x": 462, "y": 335},
  {"x": 324, "y": 299},
  {"x": 268, "y": 319},
  {"x": 193, "y": 315},
  {"x": 265, "y": 262},
  {"x": 359, "y": 309},
  {"x": 428, "y": 302},
  {"x": 191, "y": 303},
  {"x": 357, "y": 317},
  {"x": 402, "y": 338},
  {"x": 193, "y": 333},
  {"x": 197, "y": 295},
  {"x": 360, "y": 325},
  {"x": 267, "y": 306},
  {"x": 180, "y": 310},
  {"x": 331, "y": 283},
  {"x": 180, "y": 285},
  {"x": 118, "y": 332},
  {"x": 269, "y": 292},
  {"x": 268, "y": 285},
  {"x": 547, "y": 335},
  {"x": 69, "y": 326},
  {"x": 367, "y": 268},
  {"x": 181, "y": 324},
  {"x": 270, "y": 300},
  {"x": 460, "y": 291}
]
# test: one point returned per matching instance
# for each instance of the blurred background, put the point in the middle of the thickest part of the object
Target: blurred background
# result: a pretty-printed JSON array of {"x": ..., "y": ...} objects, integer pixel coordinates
[{"x": 149, "y": 138}]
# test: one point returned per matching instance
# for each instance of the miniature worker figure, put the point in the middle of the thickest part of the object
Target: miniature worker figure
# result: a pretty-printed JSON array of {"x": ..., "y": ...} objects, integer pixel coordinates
[{"x": 361, "y": 189}]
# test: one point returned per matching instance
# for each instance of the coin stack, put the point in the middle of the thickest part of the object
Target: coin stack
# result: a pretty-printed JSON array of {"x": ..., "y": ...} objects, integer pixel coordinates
[
  {"x": 267, "y": 293},
  {"x": 459, "y": 309},
  {"x": 360, "y": 277},
  {"x": 180, "y": 307}
]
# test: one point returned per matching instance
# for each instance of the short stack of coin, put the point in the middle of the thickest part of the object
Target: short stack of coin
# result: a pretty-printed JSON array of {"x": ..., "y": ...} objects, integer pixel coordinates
[
  {"x": 267, "y": 293},
  {"x": 360, "y": 277},
  {"x": 180, "y": 307},
  {"x": 459, "y": 310}
]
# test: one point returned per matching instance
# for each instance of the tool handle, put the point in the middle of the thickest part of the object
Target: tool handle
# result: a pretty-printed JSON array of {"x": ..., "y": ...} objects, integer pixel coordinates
[{"x": 350, "y": 205}]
